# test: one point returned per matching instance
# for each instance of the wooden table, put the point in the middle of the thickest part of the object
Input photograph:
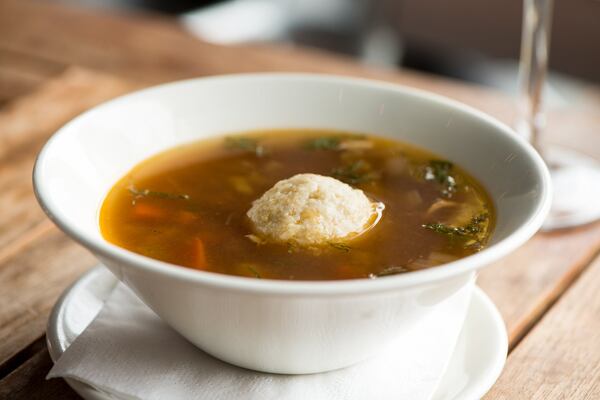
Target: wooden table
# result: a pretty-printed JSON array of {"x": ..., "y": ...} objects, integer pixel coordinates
[{"x": 56, "y": 62}]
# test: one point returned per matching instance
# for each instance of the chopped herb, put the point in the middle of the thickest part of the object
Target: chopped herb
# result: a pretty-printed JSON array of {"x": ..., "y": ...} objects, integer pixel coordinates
[
  {"x": 340, "y": 246},
  {"x": 472, "y": 231},
  {"x": 358, "y": 172},
  {"x": 440, "y": 172},
  {"x": 138, "y": 194},
  {"x": 324, "y": 143},
  {"x": 246, "y": 144},
  {"x": 253, "y": 271},
  {"x": 391, "y": 270}
]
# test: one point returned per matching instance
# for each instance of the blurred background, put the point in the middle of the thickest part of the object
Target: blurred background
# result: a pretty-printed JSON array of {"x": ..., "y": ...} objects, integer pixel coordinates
[{"x": 471, "y": 40}]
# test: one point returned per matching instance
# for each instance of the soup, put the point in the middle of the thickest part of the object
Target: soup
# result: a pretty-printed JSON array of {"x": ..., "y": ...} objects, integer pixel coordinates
[{"x": 189, "y": 206}]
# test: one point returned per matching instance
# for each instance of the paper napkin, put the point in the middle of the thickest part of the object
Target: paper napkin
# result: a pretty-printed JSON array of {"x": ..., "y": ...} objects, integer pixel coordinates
[{"x": 129, "y": 352}]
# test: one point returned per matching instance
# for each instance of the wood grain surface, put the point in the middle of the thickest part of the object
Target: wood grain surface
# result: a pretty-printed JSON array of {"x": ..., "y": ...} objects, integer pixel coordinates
[
  {"x": 526, "y": 283},
  {"x": 30, "y": 280},
  {"x": 45, "y": 80},
  {"x": 559, "y": 359},
  {"x": 23, "y": 73},
  {"x": 25, "y": 124},
  {"x": 28, "y": 381}
]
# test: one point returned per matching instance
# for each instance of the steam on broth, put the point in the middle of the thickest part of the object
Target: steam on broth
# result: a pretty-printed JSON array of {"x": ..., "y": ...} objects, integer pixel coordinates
[{"x": 188, "y": 206}]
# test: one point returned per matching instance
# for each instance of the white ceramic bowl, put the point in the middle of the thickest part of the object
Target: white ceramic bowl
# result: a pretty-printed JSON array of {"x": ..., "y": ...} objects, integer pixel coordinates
[{"x": 284, "y": 326}]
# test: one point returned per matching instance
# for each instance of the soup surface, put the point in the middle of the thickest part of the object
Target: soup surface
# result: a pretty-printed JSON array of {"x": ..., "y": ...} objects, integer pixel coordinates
[{"x": 188, "y": 206}]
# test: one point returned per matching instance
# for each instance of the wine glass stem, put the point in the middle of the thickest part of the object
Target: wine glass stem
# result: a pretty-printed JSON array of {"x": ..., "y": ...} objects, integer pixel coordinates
[{"x": 535, "y": 40}]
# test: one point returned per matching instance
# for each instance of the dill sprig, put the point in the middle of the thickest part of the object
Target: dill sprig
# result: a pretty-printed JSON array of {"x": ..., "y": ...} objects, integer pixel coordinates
[
  {"x": 324, "y": 143},
  {"x": 472, "y": 230},
  {"x": 340, "y": 246},
  {"x": 440, "y": 172},
  {"x": 357, "y": 172},
  {"x": 138, "y": 194},
  {"x": 253, "y": 271}
]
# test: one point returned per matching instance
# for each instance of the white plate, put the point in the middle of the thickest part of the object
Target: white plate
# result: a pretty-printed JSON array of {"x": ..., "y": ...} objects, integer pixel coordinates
[{"x": 475, "y": 365}]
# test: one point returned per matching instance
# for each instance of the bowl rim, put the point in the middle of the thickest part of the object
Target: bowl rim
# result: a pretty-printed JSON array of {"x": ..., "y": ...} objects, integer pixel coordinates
[{"x": 101, "y": 247}]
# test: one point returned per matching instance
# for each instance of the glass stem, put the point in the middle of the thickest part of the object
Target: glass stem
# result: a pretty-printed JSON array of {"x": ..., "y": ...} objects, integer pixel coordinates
[{"x": 535, "y": 41}]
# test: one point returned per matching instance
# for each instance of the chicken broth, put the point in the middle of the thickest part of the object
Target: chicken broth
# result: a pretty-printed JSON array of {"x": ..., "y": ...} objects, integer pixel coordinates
[{"x": 188, "y": 206}]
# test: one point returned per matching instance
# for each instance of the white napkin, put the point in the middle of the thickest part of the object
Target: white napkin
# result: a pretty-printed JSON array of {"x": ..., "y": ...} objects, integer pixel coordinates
[{"x": 129, "y": 352}]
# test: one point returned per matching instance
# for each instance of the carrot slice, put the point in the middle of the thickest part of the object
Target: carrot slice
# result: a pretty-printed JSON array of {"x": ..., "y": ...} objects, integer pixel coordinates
[
  {"x": 144, "y": 210},
  {"x": 200, "y": 254}
]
